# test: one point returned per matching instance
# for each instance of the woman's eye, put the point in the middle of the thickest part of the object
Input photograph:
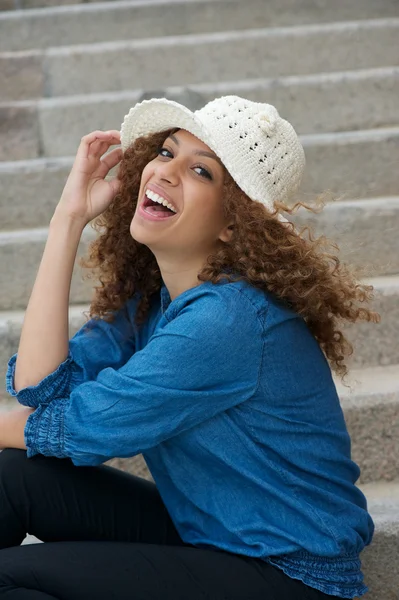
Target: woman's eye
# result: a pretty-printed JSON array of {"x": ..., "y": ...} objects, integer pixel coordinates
[
  {"x": 205, "y": 174},
  {"x": 163, "y": 150}
]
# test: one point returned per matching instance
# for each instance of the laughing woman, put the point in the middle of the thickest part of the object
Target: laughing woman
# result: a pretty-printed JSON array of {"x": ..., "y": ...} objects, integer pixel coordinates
[{"x": 209, "y": 349}]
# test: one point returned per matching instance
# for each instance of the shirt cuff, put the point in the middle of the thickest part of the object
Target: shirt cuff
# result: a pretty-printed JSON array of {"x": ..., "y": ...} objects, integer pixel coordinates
[
  {"x": 54, "y": 384},
  {"x": 44, "y": 430}
]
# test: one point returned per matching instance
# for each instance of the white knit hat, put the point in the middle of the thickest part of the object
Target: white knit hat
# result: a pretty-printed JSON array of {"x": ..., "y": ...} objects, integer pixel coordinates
[{"x": 260, "y": 150}]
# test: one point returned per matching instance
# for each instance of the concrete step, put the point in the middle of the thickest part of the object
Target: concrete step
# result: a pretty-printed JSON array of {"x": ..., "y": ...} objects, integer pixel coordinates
[
  {"x": 376, "y": 344},
  {"x": 353, "y": 164},
  {"x": 21, "y": 252},
  {"x": 301, "y": 8},
  {"x": 379, "y": 562},
  {"x": 358, "y": 164},
  {"x": 321, "y": 103},
  {"x": 88, "y": 23},
  {"x": 8, "y": 5},
  {"x": 195, "y": 58},
  {"x": 378, "y": 492},
  {"x": 371, "y": 409},
  {"x": 7, "y": 403},
  {"x": 365, "y": 230}
]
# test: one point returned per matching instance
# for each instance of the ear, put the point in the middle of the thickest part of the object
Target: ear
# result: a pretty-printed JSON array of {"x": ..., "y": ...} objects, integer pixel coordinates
[{"x": 227, "y": 232}]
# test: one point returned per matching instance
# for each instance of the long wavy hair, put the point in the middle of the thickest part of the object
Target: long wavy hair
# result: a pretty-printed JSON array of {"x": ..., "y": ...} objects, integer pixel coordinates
[{"x": 299, "y": 269}]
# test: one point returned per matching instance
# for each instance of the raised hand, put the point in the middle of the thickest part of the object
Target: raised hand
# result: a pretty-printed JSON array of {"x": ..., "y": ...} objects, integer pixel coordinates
[{"x": 86, "y": 193}]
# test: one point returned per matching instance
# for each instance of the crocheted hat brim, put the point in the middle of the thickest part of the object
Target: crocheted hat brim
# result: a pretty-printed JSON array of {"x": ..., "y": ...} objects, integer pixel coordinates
[{"x": 160, "y": 114}]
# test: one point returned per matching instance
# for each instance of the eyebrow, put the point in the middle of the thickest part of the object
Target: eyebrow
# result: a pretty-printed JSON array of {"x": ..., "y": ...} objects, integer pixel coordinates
[{"x": 198, "y": 152}]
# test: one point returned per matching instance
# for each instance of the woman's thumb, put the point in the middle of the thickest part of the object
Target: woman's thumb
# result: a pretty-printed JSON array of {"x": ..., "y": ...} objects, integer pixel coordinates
[{"x": 115, "y": 185}]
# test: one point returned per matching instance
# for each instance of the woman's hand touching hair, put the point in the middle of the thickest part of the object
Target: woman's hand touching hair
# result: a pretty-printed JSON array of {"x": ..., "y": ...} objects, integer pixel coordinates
[{"x": 86, "y": 193}]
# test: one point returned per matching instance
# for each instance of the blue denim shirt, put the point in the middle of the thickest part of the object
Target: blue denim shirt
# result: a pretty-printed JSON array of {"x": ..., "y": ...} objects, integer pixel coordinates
[{"x": 231, "y": 401}]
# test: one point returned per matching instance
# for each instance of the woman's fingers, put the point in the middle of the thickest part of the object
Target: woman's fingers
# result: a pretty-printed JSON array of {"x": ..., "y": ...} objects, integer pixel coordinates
[
  {"x": 97, "y": 149},
  {"x": 96, "y": 143},
  {"x": 108, "y": 161}
]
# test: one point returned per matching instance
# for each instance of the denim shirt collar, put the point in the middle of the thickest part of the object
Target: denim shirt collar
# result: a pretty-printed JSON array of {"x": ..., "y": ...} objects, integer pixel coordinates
[{"x": 165, "y": 298}]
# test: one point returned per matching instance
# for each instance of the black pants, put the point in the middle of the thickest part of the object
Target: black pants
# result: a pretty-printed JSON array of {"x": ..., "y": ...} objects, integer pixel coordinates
[{"x": 109, "y": 536}]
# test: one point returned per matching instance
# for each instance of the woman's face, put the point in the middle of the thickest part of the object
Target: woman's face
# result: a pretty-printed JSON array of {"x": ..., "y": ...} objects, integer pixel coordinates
[{"x": 187, "y": 174}]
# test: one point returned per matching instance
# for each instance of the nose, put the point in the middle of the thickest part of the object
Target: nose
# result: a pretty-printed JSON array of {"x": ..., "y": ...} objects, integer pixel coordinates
[{"x": 168, "y": 171}]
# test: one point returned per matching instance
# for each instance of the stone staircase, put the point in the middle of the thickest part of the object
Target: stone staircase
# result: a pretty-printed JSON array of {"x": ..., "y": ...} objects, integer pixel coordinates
[{"x": 332, "y": 70}]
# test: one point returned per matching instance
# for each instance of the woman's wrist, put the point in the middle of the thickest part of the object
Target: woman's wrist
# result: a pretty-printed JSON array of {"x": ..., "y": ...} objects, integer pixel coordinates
[
  {"x": 62, "y": 219},
  {"x": 12, "y": 428}
]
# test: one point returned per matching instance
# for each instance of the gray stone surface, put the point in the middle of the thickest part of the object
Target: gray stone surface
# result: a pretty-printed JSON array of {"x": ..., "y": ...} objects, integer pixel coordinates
[
  {"x": 86, "y": 23},
  {"x": 21, "y": 75},
  {"x": 31, "y": 539},
  {"x": 7, "y": 5},
  {"x": 350, "y": 165},
  {"x": 135, "y": 465},
  {"x": 30, "y": 191},
  {"x": 215, "y": 57},
  {"x": 360, "y": 164},
  {"x": 61, "y": 136},
  {"x": 379, "y": 559},
  {"x": 19, "y": 134},
  {"x": 32, "y": 4},
  {"x": 377, "y": 343},
  {"x": 7, "y": 402},
  {"x": 21, "y": 252},
  {"x": 371, "y": 409},
  {"x": 365, "y": 231},
  {"x": 313, "y": 104}
]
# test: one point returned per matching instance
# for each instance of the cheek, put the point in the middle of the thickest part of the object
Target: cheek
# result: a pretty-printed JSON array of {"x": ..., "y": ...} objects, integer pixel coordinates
[
  {"x": 213, "y": 207},
  {"x": 146, "y": 174},
  {"x": 207, "y": 214}
]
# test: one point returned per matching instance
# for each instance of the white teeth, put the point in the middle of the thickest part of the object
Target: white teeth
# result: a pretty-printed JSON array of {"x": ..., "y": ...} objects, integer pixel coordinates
[{"x": 157, "y": 198}]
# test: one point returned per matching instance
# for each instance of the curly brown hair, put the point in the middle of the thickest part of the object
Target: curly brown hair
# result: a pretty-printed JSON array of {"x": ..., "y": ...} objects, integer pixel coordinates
[{"x": 267, "y": 253}]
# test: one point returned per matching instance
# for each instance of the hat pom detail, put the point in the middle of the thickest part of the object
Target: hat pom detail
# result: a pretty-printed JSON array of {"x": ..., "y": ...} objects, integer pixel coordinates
[{"x": 267, "y": 121}]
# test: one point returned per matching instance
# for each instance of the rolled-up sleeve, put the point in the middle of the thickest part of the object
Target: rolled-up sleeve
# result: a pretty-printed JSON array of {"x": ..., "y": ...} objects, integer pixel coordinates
[
  {"x": 205, "y": 361},
  {"x": 97, "y": 344}
]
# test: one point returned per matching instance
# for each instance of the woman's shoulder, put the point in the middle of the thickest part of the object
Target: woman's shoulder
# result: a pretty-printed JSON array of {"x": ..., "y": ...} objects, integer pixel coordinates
[
  {"x": 232, "y": 297},
  {"x": 262, "y": 300}
]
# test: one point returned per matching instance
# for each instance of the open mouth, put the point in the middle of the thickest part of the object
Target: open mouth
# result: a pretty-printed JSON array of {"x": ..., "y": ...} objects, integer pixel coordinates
[{"x": 155, "y": 209}]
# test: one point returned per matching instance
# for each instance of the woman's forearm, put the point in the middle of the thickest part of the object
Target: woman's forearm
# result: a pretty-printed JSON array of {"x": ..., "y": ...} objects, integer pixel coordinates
[{"x": 44, "y": 337}]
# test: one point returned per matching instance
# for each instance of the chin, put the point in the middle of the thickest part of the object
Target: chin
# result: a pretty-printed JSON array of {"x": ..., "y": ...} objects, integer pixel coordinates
[
  {"x": 140, "y": 234},
  {"x": 136, "y": 231}
]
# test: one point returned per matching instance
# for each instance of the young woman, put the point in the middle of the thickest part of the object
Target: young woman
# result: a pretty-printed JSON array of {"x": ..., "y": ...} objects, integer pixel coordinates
[{"x": 209, "y": 350}]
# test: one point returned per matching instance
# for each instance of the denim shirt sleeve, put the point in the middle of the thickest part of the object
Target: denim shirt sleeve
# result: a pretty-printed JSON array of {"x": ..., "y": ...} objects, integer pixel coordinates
[
  {"x": 97, "y": 344},
  {"x": 204, "y": 361}
]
